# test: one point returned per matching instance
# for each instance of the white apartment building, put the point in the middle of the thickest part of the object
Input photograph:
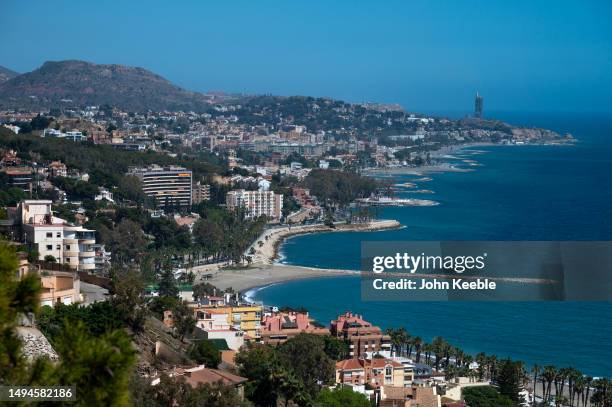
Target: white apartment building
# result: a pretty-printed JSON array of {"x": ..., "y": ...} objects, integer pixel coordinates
[
  {"x": 256, "y": 203},
  {"x": 169, "y": 186},
  {"x": 71, "y": 245}
]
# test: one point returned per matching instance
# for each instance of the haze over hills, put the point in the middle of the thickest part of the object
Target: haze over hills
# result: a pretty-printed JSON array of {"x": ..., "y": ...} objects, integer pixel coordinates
[
  {"x": 86, "y": 83},
  {"x": 6, "y": 74}
]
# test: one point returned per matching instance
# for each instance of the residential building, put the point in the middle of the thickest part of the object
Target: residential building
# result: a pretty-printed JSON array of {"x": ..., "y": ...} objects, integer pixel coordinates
[
  {"x": 376, "y": 372},
  {"x": 281, "y": 326},
  {"x": 201, "y": 192},
  {"x": 198, "y": 375},
  {"x": 70, "y": 245},
  {"x": 256, "y": 203},
  {"x": 58, "y": 169},
  {"x": 57, "y": 285},
  {"x": 20, "y": 177},
  {"x": 169, "y": 186},
  {"x": 214, "y": 324},
  {"x": 361, "y": 336},
  {"x": 415, "y": 396},
  {"x": 238, "y": 317}
]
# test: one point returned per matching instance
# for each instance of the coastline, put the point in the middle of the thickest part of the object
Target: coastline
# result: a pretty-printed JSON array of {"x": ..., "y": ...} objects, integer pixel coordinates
[
  {"x": 266, "y": 246},
  {"x": 264, "y": 271}
]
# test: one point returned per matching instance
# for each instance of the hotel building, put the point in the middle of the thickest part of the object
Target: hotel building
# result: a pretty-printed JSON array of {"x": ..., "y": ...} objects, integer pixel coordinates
[
  {"x": 169, "y": 186},
  {"x": 256, "y": 203}
]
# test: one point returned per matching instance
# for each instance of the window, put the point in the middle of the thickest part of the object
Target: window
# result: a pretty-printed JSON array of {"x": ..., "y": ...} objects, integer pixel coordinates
[
  {"x": 49, "y": 234},
  {"x": 58, "y": 234},
  {"x": 58, "y": 247},
  {"x": 67, "y": 247},
  {"x": 388, "y": 374},
  {"x": 49, "y": 247}
]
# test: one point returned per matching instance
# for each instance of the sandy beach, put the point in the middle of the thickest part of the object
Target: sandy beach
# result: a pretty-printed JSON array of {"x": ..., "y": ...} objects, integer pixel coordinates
[
  {"x": 242, "y": 280},
  {"x": 263, "y": 271},
  {"x": 266, "y": 246}
]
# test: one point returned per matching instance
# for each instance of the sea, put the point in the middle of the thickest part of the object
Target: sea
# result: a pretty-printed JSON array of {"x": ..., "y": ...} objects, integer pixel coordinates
[{"x": 512, "y": 193}]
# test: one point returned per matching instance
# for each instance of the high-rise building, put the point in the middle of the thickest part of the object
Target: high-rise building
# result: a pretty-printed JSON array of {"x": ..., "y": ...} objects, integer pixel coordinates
[
  {"x": 256, "y": 203},
  {"x": 478, "y": 106},
  {"x": 169, "y": 186}
]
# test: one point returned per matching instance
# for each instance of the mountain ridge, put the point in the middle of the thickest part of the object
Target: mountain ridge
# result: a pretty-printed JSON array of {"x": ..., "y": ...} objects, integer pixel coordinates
[
  {"x": 86, "y": 83},
  {"x": 6, "y": 74}
]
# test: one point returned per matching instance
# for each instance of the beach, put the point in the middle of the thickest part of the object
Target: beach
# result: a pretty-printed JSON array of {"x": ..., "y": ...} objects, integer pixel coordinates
[
  {"x": 263, "y": 271},
  {"x": 265, "y": 248}
]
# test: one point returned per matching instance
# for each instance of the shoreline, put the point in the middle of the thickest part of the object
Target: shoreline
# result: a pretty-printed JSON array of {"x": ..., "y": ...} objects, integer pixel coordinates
[
  {"x": 266, "y": 246},
  {"x": 265, "y": 271}
]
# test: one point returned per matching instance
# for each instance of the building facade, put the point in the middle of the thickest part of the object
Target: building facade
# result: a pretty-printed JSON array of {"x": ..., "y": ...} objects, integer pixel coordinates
[
  {"x": 169, "y": 186},
  {"x": 70, "y": 245},
  {"x": 256, "y": 203},
  {"x": 361, "y": 336},
  {"x": 201, "y": 192},
  {"x": 282, "y": 326}
]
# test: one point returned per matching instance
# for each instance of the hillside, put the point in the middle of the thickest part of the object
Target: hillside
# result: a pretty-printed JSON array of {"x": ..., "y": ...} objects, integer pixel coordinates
[
  {"x": 6, "y": 74},
  {"x": 85, "y": 83}
]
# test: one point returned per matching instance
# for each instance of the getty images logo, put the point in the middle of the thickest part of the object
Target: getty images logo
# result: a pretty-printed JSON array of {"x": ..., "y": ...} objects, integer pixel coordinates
[{"x": 410, "y": 263}]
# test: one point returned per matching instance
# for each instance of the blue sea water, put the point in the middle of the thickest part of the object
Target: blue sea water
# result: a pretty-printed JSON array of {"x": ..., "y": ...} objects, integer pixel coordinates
[{"x": 518, "y": 193}]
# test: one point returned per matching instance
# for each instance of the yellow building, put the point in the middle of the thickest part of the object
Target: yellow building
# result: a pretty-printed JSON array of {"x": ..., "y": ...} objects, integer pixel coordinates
[{"x": 246, "y": 318}]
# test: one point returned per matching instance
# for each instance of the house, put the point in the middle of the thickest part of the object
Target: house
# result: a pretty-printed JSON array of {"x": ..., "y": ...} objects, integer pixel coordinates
[
  {"x": 375, "y": 372},
  {"x": 280, "y": 327},
  {"x": 58, "y": 285},
  {"x": 58, "y": 169},
  {"x": 197, "y": 375},
  {"x": 362, "y": 336}
]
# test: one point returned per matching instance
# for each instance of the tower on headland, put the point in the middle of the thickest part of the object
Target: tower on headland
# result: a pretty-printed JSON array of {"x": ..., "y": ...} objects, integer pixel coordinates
[{"x": 478, "y": 106}]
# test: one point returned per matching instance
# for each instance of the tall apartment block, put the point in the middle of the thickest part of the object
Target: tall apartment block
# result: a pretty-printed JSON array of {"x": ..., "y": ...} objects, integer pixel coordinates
[
  {"x": 169, "y": 186},
  {"x": 256, "y": 203},
  {"x": 201, "y": 192}
]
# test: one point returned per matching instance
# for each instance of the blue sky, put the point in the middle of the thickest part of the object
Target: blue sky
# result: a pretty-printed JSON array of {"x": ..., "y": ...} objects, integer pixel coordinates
[{"x": 426, "y": 55}]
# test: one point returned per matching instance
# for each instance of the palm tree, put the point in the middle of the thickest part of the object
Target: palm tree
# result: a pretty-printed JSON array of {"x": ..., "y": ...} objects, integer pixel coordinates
[
  {"x": 481, "y": 359},
  {"x": 588, "y": 382},
  {"x": 578, "y": 390},
  {"x": 535, "y": 370},
  {"x": 548, "y": 376},
  {"x": 438, "y": 345},
  {"x": 418, "y": 345}
]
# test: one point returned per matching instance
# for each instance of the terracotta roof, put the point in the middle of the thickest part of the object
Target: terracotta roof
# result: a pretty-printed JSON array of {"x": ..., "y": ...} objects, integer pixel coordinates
[
  {"x": 397, "y": 393},
  {"x": 350, "y": 364},
  {"x": 197, "y": 375}
]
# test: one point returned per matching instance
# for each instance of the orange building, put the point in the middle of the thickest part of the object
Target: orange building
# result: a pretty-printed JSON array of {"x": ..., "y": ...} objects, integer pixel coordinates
[
  {"x": 282, "y": 326},
  {"x": 362, "y": 336}
]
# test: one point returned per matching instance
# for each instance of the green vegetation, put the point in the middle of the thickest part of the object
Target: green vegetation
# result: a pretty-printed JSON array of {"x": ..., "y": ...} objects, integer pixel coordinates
[
  {"x": 338, "y": 188},
  {"x": 205, "y": 352},
  {"x": 93, "y": 158},
  {"x": 99, "y": 366},
  {"x": 292, "y": 372},
  {"x": 486, "y": 396},
  {"x": 342, "y": 397}
]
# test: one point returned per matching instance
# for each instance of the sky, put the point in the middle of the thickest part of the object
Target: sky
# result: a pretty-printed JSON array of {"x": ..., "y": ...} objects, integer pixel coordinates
[{"x": 429, "y": 56}]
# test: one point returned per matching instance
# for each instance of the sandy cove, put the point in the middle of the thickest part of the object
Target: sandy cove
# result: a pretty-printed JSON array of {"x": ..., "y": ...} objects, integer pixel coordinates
[
  {"x": 266, "y": 246},
  {"x": 264, "y": 272}
]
